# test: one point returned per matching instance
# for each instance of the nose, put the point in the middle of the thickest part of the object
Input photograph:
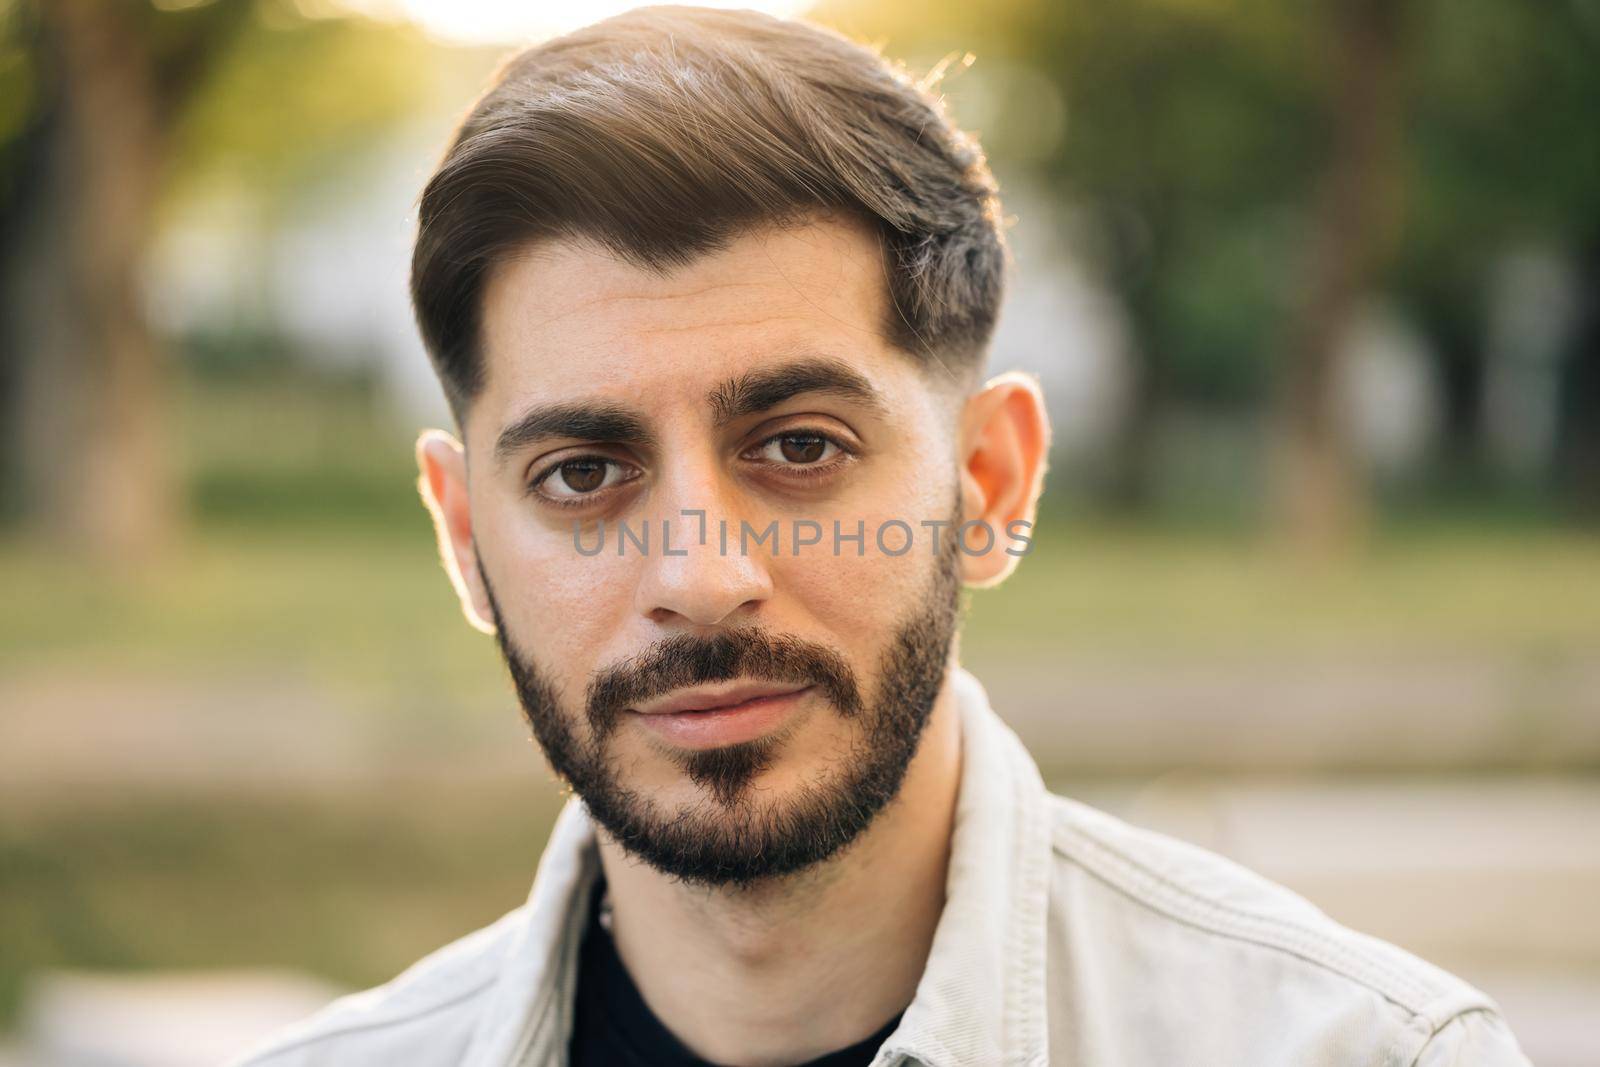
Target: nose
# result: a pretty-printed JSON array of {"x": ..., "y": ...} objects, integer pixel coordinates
[{"x": 694, "y": 580}]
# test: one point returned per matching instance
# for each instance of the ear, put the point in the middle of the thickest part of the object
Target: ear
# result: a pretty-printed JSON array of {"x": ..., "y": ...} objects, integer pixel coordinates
[
  {"x": 1005, "y": 447},
  {"x": 442, "y": 484}
]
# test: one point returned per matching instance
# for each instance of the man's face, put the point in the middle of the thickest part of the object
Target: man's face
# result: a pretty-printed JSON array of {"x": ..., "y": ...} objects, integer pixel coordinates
[{"x": 752, "y": 385}]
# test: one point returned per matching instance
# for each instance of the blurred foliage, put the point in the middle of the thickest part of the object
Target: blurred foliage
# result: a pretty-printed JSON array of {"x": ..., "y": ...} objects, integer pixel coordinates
[
  {"x": 296, "y": 96},
  {"x": 341, "y": 461},
  {"x": 252, "y": 99},
  {"x": 1192, "y": 137},
  {"x": 1183, "y": 139},
  {"x": 255, "y": 91},
  {"x": 1504, "y": 136}
]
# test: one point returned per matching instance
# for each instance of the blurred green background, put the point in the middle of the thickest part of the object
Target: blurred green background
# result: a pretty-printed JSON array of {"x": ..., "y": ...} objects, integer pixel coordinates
[{"x": 1311, "y": 288}]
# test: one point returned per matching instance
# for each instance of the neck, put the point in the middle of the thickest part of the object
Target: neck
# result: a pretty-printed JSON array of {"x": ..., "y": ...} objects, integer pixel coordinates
[{"x": 787, "y": 971}]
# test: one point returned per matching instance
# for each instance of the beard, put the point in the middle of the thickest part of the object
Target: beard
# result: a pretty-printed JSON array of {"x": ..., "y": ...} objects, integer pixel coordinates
[{"x": 729, "y": 837}]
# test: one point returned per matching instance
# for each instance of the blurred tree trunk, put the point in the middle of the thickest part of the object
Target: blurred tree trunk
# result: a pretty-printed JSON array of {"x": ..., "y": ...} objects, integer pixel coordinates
[
  {"x": 1578, "y": 448},
  {"x": 98, "y": 475},
  {"x": 1319, "y": 495},
  {"x": 113, "y": 76},
  {"x": 1138, "y": 256},
  {"x": 1125, "y": 484},
  {"x": 1127, "y": 489}
]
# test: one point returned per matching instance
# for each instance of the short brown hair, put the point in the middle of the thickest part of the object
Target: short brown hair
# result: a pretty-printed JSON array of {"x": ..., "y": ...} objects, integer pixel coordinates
[{"x": 663, "y": 132}]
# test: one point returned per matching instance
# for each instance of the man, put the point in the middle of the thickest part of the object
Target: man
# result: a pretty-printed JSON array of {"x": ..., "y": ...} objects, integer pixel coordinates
[{"x": 710, "y": 295}]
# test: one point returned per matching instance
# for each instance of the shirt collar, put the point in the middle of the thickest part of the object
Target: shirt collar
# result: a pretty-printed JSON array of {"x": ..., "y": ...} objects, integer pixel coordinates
[{"x": 981, "y": 998}]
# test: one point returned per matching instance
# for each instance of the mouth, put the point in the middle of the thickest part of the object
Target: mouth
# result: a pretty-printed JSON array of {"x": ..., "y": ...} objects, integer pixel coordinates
[{"x": 713, "y": 716}]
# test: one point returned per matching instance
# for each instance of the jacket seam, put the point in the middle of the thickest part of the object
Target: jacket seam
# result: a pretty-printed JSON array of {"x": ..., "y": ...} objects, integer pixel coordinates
[
  {"x": 1281, "y": 934},
  {"x": 1030, "y": 896},
  {"x": 1444, "y": 1023}
]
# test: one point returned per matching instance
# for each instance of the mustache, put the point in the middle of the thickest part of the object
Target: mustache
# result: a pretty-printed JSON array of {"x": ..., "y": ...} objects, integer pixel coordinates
[{"x": 749, "y": 653}]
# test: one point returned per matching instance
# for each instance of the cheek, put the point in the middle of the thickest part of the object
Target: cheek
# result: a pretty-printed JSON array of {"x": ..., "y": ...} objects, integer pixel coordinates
[
  {"x": 565, "y": 608},
  {"x": 860, "y": 594},
  {"x": 576, "y": 611}
]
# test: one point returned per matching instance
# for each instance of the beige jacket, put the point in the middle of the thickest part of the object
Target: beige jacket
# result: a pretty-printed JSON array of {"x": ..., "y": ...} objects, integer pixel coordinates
[{"x": 1068, "y": 937}]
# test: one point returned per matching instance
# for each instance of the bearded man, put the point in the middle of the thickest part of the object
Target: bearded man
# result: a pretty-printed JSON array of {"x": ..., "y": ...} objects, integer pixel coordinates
[{"x": 710, "y": 295}]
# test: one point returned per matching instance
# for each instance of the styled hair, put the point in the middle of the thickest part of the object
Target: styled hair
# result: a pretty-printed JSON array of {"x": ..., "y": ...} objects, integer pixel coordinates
[{"x": 665, "y": 132}]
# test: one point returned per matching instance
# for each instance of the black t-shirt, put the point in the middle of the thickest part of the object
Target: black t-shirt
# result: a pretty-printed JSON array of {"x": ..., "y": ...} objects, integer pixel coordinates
[{"x": 614, "y": 1027}]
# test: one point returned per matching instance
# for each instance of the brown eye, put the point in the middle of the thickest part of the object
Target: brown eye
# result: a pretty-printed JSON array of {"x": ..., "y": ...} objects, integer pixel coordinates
[
  {"x": 800, "y": 448},
  {"x": 582, "y": 475},
  {"x": 571, "y": 480},
  {"x": 797, "y": 449}
]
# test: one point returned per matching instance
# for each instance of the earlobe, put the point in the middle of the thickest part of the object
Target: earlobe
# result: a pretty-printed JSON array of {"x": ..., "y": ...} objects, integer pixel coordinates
[
  {"x": 442, "y": 484},
  {"x": 1005, "y": 450}
]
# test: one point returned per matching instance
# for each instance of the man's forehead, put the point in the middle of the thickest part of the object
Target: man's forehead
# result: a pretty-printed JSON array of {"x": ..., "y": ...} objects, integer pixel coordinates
[
  {"x": 569, "y": 320},
  {"x": 575, "y": 294}
]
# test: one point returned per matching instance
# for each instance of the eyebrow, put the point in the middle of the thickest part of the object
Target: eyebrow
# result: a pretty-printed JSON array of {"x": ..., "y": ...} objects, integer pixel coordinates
[
  {"x": 746, "y": 394},
  {"x": 756, "y": 391},
  {"x": 584, "y": 421}
]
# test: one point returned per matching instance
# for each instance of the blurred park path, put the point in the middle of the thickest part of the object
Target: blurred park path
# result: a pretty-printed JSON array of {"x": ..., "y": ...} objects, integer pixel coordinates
[
  {"x": 1396, "y": 709},
  {"x": 1426, "y": 800},
  {"x": 157, "y": 1020}
]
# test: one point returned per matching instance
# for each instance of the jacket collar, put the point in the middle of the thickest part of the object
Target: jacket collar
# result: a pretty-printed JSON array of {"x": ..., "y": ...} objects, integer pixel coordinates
[{"x": 981, "y": 996}]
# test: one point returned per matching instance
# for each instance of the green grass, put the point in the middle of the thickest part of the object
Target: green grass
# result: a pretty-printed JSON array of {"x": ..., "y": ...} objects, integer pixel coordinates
[
  {"x": 1090, "y": 588},
  {"x": 370, "y": 607},
  {"x": 367, "y": 612},
  {"x": 351, "y": 888}
]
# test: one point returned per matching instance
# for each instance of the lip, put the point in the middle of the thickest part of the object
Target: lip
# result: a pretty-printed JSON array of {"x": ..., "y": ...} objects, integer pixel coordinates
[
  {"x": 716, "y": 697},
  {"x": 710, "y": 716}
]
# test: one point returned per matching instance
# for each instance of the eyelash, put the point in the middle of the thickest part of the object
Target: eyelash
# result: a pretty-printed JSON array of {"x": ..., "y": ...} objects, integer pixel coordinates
[{"x": 801, "y": 471}]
